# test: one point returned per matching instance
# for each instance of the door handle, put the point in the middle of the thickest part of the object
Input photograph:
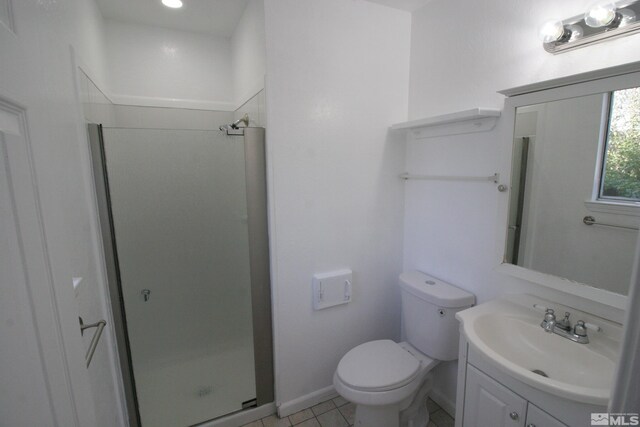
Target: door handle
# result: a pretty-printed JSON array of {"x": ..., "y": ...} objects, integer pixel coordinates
[{"x": 146, "y": 294}]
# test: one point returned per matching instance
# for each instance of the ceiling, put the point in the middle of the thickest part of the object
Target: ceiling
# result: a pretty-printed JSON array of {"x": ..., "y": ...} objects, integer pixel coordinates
[
  {"x": 409, "y": 5},
  {"x": 215, "y": 17}
]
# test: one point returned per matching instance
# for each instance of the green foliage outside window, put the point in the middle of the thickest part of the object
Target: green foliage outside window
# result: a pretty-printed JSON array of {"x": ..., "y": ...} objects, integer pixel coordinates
[{"x": 622, "y": 163}]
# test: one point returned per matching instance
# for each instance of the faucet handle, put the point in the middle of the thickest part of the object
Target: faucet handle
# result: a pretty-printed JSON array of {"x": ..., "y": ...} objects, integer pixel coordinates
[
  {"x": 580, "y": 329},
  {"x": 549, "y": 314},
  {"x": 587, "y": 325}
]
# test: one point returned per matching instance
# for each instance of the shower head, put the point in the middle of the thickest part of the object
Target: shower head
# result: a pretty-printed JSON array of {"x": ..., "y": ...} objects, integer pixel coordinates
[{"x": 234, "y": 125}]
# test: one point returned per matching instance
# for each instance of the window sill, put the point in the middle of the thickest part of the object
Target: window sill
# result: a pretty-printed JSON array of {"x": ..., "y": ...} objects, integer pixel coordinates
[{"x": 631, "y": 209}]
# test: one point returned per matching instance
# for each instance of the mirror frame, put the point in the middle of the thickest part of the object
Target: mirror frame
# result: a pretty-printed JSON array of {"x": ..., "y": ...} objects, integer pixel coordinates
[{"x": 594, "y": 82}]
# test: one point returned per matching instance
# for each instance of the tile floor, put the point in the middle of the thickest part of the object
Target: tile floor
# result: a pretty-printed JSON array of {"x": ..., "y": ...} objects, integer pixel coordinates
[{"x": 339, "y": 413}]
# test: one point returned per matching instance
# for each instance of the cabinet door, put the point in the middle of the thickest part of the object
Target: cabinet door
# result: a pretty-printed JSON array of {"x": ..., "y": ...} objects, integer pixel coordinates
[
  {"x": 489, "y": 404},
  {"x": 536, "y": 417}
]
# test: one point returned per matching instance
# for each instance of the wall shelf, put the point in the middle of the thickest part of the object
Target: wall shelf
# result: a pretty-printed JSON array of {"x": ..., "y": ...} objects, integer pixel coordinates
[{"x": 467, "y": 121}]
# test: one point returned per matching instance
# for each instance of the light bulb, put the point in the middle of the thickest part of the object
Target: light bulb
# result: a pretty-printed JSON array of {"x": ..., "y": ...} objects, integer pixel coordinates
[
  {"x": 173, "y": 4},
  {"x": 600, "y": 15},
  {"x": 551, "y": 31},
  {"x": 628, "y": 17}
]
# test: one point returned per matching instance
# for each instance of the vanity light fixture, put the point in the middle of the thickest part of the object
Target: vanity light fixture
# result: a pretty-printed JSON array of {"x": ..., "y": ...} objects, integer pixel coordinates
[
  {"x": 173, "y": 4},
  {"x": 604, "y": 20}
]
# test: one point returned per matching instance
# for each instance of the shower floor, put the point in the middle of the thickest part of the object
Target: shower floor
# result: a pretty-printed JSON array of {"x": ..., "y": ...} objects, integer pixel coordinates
[{"x": 181, "y": 393}]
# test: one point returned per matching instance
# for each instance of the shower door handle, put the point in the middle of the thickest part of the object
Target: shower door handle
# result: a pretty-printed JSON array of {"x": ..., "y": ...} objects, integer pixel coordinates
[{"x": 146, "y": 294}]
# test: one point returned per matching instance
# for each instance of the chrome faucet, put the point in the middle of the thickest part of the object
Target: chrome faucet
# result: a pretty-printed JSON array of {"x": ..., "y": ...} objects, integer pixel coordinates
[
  {"x": 549, "y": 322},
  {"x": 563, "y": 327}
]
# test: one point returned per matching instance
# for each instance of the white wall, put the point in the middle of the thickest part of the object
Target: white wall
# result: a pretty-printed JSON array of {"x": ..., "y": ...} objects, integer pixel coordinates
[
  {"x": 153, "y": 66},
  {"x": 337, "y": 77},
  {"x": 248, "y": 53},
  {"x": 90, "y": 41},
  {"x": 450, "y": 228}
]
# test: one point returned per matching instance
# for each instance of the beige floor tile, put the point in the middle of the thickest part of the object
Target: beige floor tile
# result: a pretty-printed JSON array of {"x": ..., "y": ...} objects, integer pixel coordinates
[
  {"x": 274, "y": 421},
  {"x": 442, "y": 419},
  {"x": 254, "y": 424},
  {"x": 332, "y": 418},
  {"x": 339, "y": 401},
  {"x": 301, "y": 416},
  {"x": 323, "y": 407},
  {"x": 348, "y": 411},
  {"x": 309, "y": 423},
  {"x": 432, "y": 406}
]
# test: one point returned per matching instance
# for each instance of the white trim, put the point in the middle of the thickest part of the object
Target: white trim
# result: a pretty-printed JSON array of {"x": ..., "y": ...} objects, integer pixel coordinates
[
  {"x": 573, "y": 79},
  {"x": 306, "y": 401},
  {"x": 189, "y": 104},
  {"x": 243, "y": 417},
  {"x": 625, "y": 394},
  {"x": 616, "y": 208}
]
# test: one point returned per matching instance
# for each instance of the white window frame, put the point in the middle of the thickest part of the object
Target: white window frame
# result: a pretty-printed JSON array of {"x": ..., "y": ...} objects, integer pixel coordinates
[{"x": 597, "y": 203}]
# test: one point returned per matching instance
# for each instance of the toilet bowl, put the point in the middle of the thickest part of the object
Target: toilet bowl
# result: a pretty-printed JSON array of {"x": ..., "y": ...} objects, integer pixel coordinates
[
  {"x": 389, "y": 381},
  {"x": 383, "y": 378}
]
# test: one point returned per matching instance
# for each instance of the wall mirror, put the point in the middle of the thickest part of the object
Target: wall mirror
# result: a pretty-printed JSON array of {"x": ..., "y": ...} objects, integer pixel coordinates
[{"x": 574, "y": 201}]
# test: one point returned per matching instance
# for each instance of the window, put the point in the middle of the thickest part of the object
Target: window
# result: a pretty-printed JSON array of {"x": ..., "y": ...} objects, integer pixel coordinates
[{"x": 621, "y": 166}]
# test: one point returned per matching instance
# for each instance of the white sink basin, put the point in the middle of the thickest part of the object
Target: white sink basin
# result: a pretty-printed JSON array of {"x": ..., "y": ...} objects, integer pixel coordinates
[{"x": 508, "y": 335}]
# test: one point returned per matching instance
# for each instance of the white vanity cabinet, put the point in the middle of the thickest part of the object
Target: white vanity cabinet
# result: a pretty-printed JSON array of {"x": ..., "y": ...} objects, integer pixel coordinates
[
  {"x": 488, "y": 397},
  {"x": 489, "y": 403},
  {"x": 536, "y": 417}
]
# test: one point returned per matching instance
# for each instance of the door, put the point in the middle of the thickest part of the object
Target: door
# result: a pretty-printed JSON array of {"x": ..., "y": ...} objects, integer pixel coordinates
[
  {"x": 43, "y": 379},
  {"x": 181, "y": 225},
  {"x": 487, "y": 403}
]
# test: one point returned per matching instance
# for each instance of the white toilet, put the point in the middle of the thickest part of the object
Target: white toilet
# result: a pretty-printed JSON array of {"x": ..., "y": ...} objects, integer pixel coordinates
[{"x": 389, "y": 381}]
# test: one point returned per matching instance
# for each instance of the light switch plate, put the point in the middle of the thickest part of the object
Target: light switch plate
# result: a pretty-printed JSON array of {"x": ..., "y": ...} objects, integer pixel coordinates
[{"x": 332, "y": 288}]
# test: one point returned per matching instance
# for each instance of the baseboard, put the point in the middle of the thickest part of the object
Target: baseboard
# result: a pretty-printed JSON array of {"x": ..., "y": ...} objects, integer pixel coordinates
[
  {"x": 242, "y": 418},
  {"x": 306, "y": 401},
  {"x": 448, "y": 405}
]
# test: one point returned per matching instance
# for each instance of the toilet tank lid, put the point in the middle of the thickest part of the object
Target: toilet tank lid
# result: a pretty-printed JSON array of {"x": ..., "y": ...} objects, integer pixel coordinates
[{"x": 435, "y": 291}]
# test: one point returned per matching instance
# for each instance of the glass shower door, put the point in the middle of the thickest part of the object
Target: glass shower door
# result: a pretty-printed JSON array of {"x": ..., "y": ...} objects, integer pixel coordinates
[{"x": 178, "y": 201}]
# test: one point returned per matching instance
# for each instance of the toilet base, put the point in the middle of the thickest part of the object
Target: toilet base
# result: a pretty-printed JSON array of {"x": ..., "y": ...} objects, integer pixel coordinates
[
  {"x": 411, "y": 413},
  {"x": 374, "y": 416}
]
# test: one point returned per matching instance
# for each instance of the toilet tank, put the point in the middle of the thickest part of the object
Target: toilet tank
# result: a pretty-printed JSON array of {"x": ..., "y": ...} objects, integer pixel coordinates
[{"x": 429, "y": 308}]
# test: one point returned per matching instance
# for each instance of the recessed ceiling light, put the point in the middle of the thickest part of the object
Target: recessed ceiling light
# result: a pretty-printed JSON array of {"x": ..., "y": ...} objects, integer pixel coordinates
[{"x": 173, "y": 4}]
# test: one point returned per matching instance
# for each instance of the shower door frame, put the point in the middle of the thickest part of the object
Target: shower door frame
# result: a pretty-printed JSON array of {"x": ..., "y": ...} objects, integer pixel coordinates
[{"x": 259, "y": 266}]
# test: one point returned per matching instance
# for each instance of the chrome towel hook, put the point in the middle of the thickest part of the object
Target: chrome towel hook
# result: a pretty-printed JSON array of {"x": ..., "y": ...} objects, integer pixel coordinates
[{"x": 96, "y": 337}]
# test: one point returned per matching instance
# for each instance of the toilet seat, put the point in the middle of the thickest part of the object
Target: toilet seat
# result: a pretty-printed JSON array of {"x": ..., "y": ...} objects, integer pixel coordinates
[{"x": 377, "y": 366}]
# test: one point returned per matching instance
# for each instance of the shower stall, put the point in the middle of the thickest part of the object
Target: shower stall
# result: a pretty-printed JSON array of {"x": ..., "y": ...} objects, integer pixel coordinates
[{"x": 183, "y": 216}]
